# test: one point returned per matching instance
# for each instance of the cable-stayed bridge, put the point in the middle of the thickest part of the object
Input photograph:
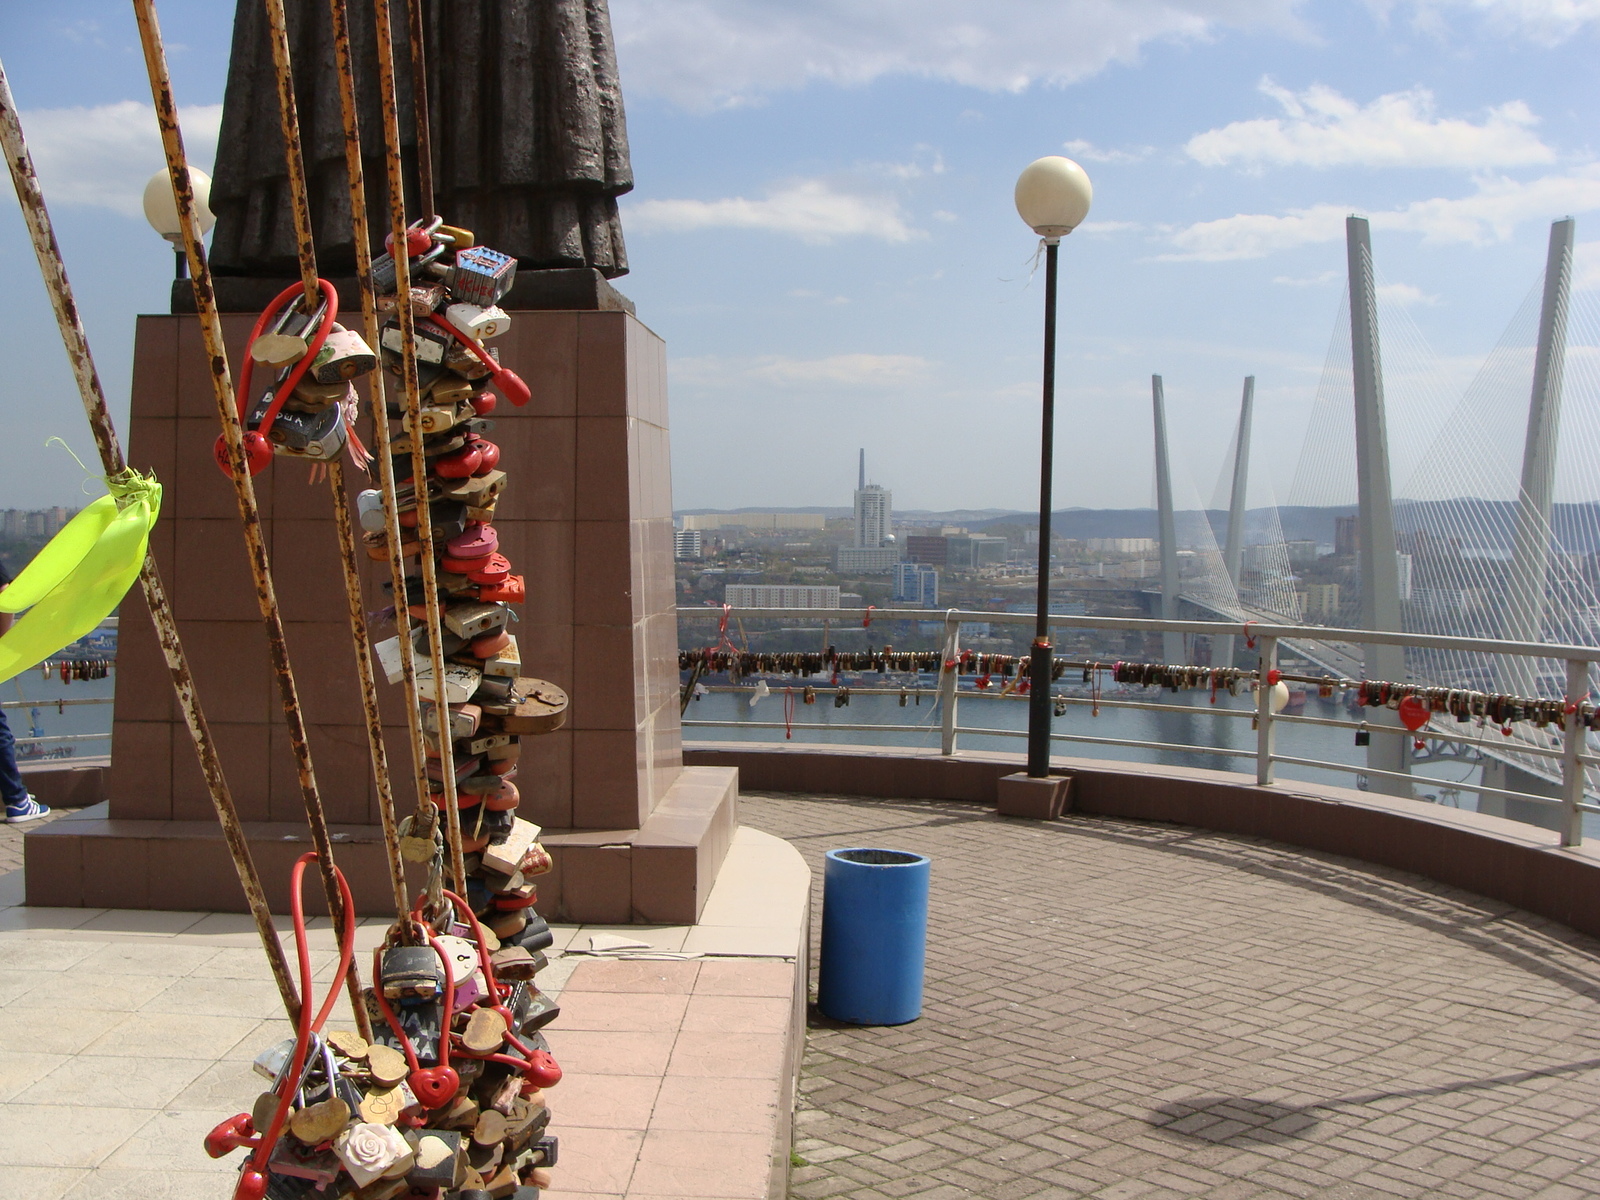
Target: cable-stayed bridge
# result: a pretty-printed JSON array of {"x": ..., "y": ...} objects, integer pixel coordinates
[{"x": 1498, "y": 535}]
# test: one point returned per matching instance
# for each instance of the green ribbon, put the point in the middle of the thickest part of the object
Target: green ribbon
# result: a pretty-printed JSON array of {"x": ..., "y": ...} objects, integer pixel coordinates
[{"x": 78, "y": 580}]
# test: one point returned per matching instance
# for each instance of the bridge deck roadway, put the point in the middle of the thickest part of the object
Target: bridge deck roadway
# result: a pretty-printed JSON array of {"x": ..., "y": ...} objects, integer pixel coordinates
[{"x": 1119, "y": 1009}]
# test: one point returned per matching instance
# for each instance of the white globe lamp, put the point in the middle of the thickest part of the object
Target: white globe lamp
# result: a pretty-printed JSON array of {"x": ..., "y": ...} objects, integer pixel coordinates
[{"x": 1053, "y": 196}]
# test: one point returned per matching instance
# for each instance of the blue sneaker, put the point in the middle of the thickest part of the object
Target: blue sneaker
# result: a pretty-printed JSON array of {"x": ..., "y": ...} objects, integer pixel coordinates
[{"x": 29, "y": 810}]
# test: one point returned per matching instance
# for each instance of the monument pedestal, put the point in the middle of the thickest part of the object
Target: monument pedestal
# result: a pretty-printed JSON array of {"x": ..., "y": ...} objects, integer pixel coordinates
[{"x": 586, "y": 518}]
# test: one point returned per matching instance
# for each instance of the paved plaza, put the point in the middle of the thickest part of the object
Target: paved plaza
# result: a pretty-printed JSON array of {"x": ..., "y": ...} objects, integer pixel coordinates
[{"x": 1121, "y": 1009}]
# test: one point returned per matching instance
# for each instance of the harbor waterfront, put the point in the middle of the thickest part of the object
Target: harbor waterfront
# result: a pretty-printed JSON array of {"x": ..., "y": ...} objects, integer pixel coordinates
[{"x": 1189, "y": 718}]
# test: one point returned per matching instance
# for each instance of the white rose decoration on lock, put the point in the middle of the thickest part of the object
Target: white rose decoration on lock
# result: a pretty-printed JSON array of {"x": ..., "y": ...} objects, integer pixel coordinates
[{"x": 368, "y": 1151}]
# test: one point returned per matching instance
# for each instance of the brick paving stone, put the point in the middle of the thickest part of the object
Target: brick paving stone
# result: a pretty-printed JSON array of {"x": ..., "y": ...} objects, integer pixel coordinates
[{"x": 1130, "y": 1010}]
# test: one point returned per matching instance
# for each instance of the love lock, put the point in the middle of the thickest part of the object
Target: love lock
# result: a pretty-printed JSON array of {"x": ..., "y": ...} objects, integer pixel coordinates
[
  {"x": 434, "y": 1087},
  {"x": 257, "y": 454}
]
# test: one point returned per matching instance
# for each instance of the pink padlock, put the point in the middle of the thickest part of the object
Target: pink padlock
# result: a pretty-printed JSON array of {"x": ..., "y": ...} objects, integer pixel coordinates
[
  {"x": 478, "y": 540},
  {"x": 489, "y": 644}
]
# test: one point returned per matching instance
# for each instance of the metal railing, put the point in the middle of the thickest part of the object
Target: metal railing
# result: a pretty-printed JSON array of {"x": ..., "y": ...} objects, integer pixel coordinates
[
  {"x": 1573, "y": 756},
  {"x": 59, "y": 704}
]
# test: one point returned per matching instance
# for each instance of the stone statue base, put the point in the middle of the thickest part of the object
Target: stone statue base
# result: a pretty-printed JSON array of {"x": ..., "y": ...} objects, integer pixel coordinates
[{"x": 586, "y": 518}]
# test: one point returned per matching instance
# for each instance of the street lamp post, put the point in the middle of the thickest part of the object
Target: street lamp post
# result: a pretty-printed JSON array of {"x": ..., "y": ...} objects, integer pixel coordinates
[
  {"x": 161, "y": 210},
  {"x": 1053, "y": 196}
]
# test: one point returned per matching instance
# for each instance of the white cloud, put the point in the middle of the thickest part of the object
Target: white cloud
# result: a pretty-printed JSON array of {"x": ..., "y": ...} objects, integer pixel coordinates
[
  {"x": 1324, "y": 278},
  {"x": 101, "y": 157},
  {"x": 811, "y": 209},
  {"x": 718, "y": 53},
  {"x": 1107, "y": 227},
  {"x": 1491, "y": 214},
  {"x": 1547, "y": 22},
  {"x": 1321, "y": 128},
  {"x": 840, "y": 370},
  {"x": 1089, "y": 152},
  {"x": 1404, "y": 295},
  {"x": 1586, "y": 267}
]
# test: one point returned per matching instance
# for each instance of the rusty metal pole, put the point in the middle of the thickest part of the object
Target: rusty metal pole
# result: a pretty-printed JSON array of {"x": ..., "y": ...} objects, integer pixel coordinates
[
  {"x": 419, "y": 103},
  {"x": 413, "y": 427},
  {"x": 244, "y": 489},
  {"x": 344, "y": 69},
  {"x": 54, "y": 270}
]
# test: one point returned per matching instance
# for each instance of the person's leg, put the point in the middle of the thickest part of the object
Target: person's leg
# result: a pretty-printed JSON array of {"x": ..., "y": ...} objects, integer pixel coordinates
[
  {"x": 11, "y": 787},
  {"x": 20, "y": 806}
]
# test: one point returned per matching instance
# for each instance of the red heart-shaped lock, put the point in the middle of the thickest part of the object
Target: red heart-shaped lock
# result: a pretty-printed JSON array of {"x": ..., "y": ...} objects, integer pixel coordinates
[
  {"x": 257, "y": 454},
  {"x": 435, "y": 1087},
  {"x": 1413, "y": 713},
  {"x": 458, "y": 465},
  {"x": 542, "y": 1071},
  {"x": 504, "y": 798},
  {"x": 493, "y": 571},
  {"x": 490, "y": 456},
  {"x": 417, "y": 242},
  {"x": 483, "y": 403}
]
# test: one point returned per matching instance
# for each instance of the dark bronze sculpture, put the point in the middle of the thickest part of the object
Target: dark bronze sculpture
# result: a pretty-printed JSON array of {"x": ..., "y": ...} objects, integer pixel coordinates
[{"x": 530, "y": 147}]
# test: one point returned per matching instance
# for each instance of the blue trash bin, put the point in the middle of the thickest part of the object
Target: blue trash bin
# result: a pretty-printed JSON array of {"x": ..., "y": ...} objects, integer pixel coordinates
[{"x": 874, "y": 936}]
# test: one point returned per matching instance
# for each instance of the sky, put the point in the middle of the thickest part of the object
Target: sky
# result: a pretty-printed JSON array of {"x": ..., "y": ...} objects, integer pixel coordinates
[{"x": 823, "y": 229}]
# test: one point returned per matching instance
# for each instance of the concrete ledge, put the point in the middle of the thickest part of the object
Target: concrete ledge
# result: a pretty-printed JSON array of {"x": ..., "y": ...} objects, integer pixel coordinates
[
  {"x": 1506, "y": 860},
  {"x": 60, "y": 786},
  {"x": 660, "y": 874}
]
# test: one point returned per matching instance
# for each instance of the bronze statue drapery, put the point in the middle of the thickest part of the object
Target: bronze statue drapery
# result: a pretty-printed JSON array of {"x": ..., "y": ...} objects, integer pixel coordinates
[{"x": 530, "y": 145}]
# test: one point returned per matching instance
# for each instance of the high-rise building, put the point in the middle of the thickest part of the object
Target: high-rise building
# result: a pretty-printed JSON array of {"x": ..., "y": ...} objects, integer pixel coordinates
[
  {"x": 686, "y": 544},
  {"x": 916, "y": 584},
  {"x": 874, "y": 512},
  {"x": 873, "y": 550},
  {"x": 1346, "y": 537}
]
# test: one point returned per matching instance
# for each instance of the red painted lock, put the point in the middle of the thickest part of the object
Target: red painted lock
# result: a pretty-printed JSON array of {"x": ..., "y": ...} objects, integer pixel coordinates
[
  {"x": 504, "y": 798},
  {"x": 437, "y": 1086},
  {"x": 1413, "y": 713},
  {"x": 490, "y": 456},
  {"x": 257, "y": 453},
  {"x": 417, "y": 242},
  {"x": 459, "y": 464},
  {"x": 513, "y": 591},
  {"x": 494, "y": 570},
  {"x": 489, "y": 644},
  {"x": 512, "y": 387},
  {"x": 252, "y": 1184},
  {"x": 483, "y": 403},
  {"x": 542, "y": 1072},
  {"x": 230, "y": 1135}
]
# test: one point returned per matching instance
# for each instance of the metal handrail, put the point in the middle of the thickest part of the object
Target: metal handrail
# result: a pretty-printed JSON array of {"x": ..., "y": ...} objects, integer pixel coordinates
[{"x": 1573, "y": 758}]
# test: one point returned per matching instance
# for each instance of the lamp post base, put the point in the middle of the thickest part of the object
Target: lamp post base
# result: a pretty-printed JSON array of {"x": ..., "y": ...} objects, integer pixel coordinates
[{"x": 1022, "y": 795}]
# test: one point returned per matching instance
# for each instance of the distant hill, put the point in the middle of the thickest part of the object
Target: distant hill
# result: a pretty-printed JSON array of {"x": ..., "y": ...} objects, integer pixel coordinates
[{"x": 1484, "y": 524}]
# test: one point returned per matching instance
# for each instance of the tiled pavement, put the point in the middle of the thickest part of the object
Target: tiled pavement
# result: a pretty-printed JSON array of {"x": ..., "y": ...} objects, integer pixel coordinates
[{"x": 1117, "y": 1009}]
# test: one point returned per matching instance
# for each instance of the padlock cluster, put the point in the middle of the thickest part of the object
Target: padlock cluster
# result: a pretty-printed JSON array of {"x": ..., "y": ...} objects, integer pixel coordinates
[
  {"x": 447, "y": 1102},
  {"x": 309, "y": 410},
  {"x": 490, "y": 706}
]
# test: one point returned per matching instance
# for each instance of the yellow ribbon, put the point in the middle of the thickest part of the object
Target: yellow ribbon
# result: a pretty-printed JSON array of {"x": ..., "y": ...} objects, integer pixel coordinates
[{"x": 77, "y": 580}]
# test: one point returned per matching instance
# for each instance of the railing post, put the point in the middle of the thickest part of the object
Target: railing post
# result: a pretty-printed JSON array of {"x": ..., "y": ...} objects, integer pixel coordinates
[
  {"x": 1572, "y": 745},
  {"x": 1267, "y": 649},
  {"x": 947, "y": 685}
]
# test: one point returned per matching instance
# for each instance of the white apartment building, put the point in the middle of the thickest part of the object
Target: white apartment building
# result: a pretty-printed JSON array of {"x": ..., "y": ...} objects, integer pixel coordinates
[{"x": 773, "y": 595}]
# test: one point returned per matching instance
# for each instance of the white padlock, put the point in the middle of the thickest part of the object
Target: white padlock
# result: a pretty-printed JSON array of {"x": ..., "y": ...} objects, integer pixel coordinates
[{"x": 480, "y": 323}]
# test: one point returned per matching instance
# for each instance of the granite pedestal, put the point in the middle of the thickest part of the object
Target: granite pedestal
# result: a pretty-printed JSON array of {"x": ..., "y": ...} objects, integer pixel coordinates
[{"x": 587, "y": 519}]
